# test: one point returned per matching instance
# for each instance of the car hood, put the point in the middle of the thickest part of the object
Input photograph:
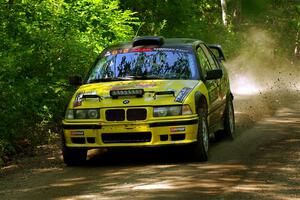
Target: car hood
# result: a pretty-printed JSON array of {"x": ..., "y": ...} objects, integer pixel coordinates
[{"x": 103, "y": 89}]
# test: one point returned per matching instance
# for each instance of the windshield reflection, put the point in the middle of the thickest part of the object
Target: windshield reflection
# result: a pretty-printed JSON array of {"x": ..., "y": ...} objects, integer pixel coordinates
[{"x": 147, "y": 65}]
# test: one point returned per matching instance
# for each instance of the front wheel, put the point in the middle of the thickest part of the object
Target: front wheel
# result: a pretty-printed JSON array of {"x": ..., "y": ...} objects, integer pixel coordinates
[
  {"x": 73, "y": 156},
  {"x": 201, "y": 147}
]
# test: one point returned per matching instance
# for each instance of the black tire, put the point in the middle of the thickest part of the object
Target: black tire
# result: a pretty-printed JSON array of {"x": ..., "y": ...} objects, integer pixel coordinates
[
  {"x": 74, "y": 156},
  {"x": 229, "y": 119},
  {"x": 199, "y": 150}
]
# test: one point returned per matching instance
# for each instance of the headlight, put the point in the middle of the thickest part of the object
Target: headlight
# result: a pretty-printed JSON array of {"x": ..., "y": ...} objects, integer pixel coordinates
[
  {"x": 69, "y": 114},
  {"x": 93, "y": 114},
  {"x": 174, "y": 110},
  {"x": 171, "y": 111},
  {"x": 160, "y": 112},
  {"x": 82, "y": 114}
]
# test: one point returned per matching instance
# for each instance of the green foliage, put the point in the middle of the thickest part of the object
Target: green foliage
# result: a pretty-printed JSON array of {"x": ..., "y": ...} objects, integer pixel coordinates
[
  {"x": 254, "y": 7},
  {"x": 202, "y": 19},
  {"x": 184, "y": 18},
  {"x": 41, "y": 44},
  {"x": 281, "y": 18}
]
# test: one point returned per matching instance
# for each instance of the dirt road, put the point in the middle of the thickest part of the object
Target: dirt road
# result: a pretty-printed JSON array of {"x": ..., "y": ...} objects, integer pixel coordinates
[{"x": 262, "y": 163}]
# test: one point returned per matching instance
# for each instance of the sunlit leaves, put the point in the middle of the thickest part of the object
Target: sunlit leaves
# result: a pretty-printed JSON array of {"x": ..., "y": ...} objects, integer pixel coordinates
[{"x": 41, "y": 44}]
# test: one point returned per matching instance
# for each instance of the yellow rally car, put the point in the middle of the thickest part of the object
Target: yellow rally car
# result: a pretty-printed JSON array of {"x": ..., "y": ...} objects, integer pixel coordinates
[{"x": 150, "y": 92}]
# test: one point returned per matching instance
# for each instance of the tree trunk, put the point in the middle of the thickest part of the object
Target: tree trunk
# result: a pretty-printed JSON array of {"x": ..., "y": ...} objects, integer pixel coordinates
[
  {"x": 297, "y": 50},
  {"x": 224, "y": 12},
  {"x": 237, "y": 10}
]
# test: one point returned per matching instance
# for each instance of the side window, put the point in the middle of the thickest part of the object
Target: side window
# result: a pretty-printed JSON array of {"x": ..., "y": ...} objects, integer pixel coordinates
[
  {"x": 204, "y": 62},
  {"x": 211, "y": 60}
]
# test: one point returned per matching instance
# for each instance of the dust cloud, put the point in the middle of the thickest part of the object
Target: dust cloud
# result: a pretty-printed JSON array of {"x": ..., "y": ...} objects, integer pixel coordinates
[{"x": 260, "y": 78}]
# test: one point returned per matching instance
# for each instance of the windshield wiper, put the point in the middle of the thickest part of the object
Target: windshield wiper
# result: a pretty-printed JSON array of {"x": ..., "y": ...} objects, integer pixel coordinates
[
  {"x": 144, "y": 77},
  {"x": 108, "y": 79},
  {"x": 126, "y": 78}
]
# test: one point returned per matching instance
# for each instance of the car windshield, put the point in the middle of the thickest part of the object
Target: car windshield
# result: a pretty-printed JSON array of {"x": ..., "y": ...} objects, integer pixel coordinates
[{"x": 144, "y": 63}]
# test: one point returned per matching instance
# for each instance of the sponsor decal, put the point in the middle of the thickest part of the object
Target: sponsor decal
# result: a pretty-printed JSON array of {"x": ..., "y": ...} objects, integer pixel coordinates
[
  {"x": 177, "y": 129},
  {"x": 125, "y": 50},
  {"x": 77, "y": 133},
  {"x": 182, "y": 94},
  {"x": 170, "y": 49},
  {"x": 116, "y": 51},
  {"x": 107, "y": 54},
  {"x": 78, "y": 100},
  {"x": 141, "y": 50},
  {"x": 79, "y": 97},
  {"x": 133, "y": 50},
  {"x": 146, "y": 85}
]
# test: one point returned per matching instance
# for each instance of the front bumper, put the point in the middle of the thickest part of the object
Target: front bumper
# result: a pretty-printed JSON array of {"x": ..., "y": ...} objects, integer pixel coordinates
[{"x": 134, "y": 134}]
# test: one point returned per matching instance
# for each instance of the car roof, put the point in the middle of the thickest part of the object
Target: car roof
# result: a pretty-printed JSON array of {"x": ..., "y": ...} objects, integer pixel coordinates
[{"x": 167, "y": 42}]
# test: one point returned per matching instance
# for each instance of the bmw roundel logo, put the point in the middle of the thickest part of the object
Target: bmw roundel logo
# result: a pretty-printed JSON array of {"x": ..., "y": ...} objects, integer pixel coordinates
[{"x": 126, "y": 102}]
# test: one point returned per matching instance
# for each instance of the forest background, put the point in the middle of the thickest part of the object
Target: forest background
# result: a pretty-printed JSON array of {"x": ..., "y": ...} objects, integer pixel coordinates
[{"x": 43, "y": 42}]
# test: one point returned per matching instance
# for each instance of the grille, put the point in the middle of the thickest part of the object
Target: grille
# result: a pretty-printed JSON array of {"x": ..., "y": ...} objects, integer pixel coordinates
[
  {"x": 126, "y": 137},
  {"x": 136, "y": 114},
  {"x": 132, "y": 114},
  {"x": 78, "y": 140},
  {"x": 115, "y": 115},
  {"x": 91, "y": 140},
  {"x": 177, "y": 137}
]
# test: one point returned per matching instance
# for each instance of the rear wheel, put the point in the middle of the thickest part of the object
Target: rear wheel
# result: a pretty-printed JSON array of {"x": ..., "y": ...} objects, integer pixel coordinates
[
  {"x": 229, "y": 119},
  {"x": 201, "y": 147}
]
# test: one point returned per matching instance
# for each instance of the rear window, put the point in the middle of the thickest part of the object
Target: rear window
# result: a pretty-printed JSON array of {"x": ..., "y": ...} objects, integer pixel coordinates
[{"x": 156, "y": 63}]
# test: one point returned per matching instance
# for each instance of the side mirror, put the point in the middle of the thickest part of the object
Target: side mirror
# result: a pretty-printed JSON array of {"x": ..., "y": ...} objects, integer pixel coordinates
[
  {"x": 214, "y": 74},
  {"x": 217, "y": 51},
  {"x": 75, "y": 80}
]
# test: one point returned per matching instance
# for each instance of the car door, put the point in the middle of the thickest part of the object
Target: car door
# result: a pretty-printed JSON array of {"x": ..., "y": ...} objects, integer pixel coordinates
[
  {"x": 223, "y": 87},
  {"x": 219, "y": 102},
  {"x": 212, "y": 85}
]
